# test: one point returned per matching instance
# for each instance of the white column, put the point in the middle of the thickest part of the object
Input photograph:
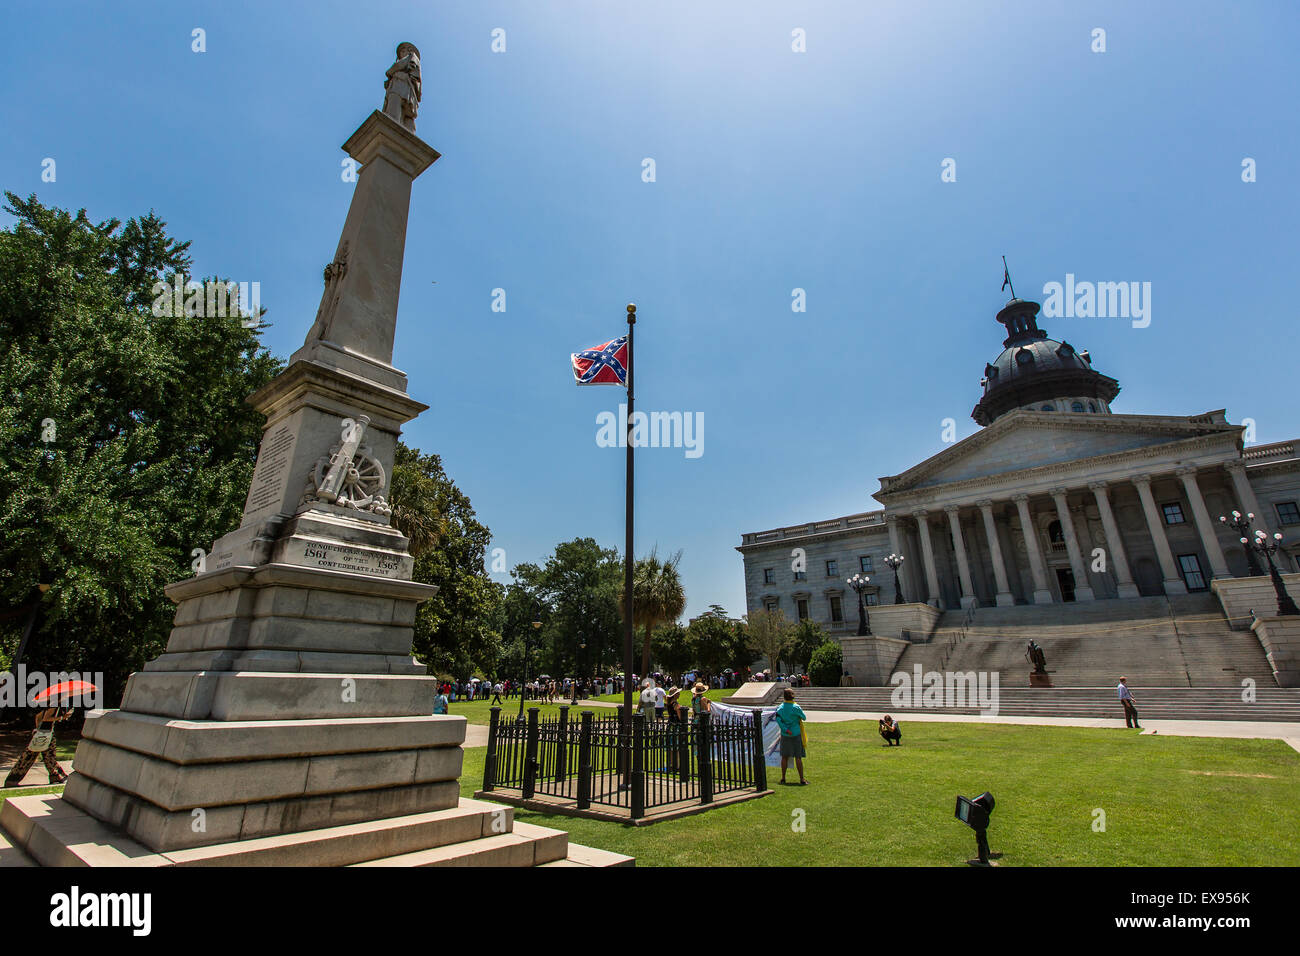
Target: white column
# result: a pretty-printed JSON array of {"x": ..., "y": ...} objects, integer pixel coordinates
[
  {"x": 1082, "y": 589},
  {"x": 968, "y": 598},
  {"x": 1245, "y": 493},
  {"x": 1124, "y": 585},
  {"x": 1156, "y": 525},
  {"x": 896, "y": 546},
  {"x": 1004, "y": 596},
  {"x": 1207, "y": 527},
  {"x": 1042, "y": 594},
  {"x": 927, "y": 555}
]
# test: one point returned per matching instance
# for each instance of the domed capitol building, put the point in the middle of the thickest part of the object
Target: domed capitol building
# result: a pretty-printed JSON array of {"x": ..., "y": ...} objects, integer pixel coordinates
[{"x": 1061, "y": 520}]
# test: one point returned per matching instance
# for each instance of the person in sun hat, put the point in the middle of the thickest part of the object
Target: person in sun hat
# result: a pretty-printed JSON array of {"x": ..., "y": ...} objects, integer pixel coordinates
[
  {"x": 672, "y": 711},
  {"x": 699, "y": 702}
]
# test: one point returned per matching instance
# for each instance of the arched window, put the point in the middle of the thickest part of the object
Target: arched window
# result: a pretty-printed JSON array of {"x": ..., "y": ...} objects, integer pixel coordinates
[
  {"x": 1076, "y": 407},
  {"x": 1055, "y": 534},
  {"x": 1049, "y": 407},
  {"x": 1092, "y": 406}
]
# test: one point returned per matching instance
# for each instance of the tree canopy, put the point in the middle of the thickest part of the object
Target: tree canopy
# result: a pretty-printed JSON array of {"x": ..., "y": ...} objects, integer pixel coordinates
[
  {"x": 125, "y": 441},
  {"x": 458, "y": 630}
]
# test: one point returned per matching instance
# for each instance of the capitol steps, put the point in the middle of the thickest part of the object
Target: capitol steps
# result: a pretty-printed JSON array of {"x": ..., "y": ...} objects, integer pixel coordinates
[
  {"x": 1168, "y": 642},
  {"x": 1163, "y": 703}
]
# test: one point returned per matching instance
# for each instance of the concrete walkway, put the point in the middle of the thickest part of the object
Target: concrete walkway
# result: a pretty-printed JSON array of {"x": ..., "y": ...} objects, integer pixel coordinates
[{"x": 1288, "y": 732}]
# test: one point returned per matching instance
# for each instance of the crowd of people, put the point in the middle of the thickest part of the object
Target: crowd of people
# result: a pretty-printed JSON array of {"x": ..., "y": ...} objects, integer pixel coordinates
[{"x": 551, "y": 690}]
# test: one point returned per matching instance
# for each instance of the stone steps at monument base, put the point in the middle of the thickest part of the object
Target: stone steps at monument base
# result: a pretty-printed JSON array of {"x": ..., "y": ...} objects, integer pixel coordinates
[
  {"x": 525, "y": 845},
  {"x": 1165, "y": 703},
  {"x": 11, "y": 855},
  {"x": 52, "y": 832},
  {"x": 580, "y": 855}
]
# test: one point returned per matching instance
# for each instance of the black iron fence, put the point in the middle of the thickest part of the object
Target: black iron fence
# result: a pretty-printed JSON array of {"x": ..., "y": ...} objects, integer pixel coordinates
[{"x": 649, "y": 764}]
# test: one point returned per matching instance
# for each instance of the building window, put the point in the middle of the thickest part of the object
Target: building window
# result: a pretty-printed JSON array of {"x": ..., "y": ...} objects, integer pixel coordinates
[
  {"x": 1092, "y": 406},
  {"x": 871, "y": 599},
  {"x": 832, "y": 568},
  {"x": 1287, "y": 513},
  {"x": 769, "y": 606},
  {"x": 769, "y": 576},
  {"x": 1173, "y": 513},
  {"x": 802, "y": 605},
  {"x": 801, "y": 575},
  {"x": 1192, "y": 576},
  {"x": 1049, "y": 407},
  {"x": 837, "y": 609},
  {"x": 864, "y": 564},
  {"x": 1076, "y": 406}
]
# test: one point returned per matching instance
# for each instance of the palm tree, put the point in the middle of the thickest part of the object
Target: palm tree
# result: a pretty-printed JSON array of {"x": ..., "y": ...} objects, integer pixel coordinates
[
  {"x": 416, "y": 502},
  {"x": 657, "y": 597}
]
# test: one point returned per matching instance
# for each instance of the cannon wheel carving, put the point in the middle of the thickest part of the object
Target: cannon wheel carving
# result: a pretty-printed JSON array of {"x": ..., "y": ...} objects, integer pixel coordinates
[{"x": 363, "y": 483}]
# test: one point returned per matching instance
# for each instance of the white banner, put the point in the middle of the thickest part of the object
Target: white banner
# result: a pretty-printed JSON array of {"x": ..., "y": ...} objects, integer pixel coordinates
[{"x": 721, "y": 713}]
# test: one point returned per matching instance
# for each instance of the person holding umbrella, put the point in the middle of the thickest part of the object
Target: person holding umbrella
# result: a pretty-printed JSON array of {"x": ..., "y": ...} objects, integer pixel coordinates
[{"x": 41, "y": 743}]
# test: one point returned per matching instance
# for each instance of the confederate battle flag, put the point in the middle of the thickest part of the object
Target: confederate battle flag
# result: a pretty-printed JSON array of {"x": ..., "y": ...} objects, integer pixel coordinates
[{"x": 603, "y": 365}]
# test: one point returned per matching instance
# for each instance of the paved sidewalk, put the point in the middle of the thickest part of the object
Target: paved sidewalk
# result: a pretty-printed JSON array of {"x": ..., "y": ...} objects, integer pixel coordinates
[{"x": 1289, "y": 732}]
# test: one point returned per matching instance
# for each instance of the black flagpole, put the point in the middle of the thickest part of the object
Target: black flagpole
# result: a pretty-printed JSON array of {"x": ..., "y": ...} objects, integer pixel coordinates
[{"x": 627, "y": 558}]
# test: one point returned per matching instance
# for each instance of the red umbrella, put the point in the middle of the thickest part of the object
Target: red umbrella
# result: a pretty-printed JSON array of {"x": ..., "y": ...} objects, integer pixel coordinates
[{"x": 67, "y": 688}]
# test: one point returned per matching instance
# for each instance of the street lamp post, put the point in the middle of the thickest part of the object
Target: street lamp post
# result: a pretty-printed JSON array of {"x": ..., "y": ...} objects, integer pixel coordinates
[
  {"x": 1285, "y": 606},
  {"x": 582, "y": 652},
  {"x": 895, "y": 561},
  {"x": 537, "y": 626},
  {"x": 859, "y": 583},
  {"x": 1241, "y": 524}
]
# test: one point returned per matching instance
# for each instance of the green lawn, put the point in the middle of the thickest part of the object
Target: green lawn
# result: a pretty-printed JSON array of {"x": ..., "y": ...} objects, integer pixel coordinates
[
  {"x": 479, "y": 711},
  {"x": 1168, "y": 801},
  {"x": 684, "y": 700}
]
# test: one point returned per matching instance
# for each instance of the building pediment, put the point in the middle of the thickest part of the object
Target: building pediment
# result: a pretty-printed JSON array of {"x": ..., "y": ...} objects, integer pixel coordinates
[{"x": 1024, "y": 440}]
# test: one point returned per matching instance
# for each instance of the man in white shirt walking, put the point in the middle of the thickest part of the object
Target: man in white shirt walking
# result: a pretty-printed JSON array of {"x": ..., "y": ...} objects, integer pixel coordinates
[
  {"x": 1130, "y": 709},
  {"x": 659, "y": 701}
]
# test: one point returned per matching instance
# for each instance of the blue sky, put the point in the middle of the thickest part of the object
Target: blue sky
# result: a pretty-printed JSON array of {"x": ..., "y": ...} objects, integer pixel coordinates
[{"x": 775, "y": 170}]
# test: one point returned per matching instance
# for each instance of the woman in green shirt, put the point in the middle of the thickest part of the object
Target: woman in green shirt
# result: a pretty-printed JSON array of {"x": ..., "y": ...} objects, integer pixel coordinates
[{"x": 790, "y": 718}]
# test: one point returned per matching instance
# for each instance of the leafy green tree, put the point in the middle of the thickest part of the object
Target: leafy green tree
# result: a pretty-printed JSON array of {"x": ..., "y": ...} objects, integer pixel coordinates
[
  {"x": 712, "y": 637},
  {"x": 826, "y": 665},
  {"x": 582, "y": 580},
  {"x": 673, "y": 648},
  {"x": 806, "y": 637},
  {"x": 577, "y": 589},
  {"x": 458, "y": 630},
  {"x": 770, "y": 634},
  {"x": 125, "y": 441},
  {"x": 657, "y": 597}
]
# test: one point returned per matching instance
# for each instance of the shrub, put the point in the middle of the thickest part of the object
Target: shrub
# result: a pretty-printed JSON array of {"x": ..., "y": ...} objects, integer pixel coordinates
[{"x": 827, "y": 665}]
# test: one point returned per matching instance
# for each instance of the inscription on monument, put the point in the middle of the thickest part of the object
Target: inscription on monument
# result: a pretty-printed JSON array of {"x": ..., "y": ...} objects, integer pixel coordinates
[
  {"x": 340, "y": 557},
  {"x": 270, "y": 473}
]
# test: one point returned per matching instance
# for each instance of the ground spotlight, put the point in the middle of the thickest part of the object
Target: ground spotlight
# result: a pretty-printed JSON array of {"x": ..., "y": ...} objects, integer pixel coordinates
[{"x": 975, "y": 814}]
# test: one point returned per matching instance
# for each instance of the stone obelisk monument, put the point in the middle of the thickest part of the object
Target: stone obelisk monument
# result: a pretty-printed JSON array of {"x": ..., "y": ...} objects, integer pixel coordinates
[{"x": 287, "y": 722}]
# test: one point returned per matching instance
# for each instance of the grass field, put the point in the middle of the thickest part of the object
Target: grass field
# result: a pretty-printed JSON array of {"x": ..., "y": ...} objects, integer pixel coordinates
[
  {"x": 1186, "y": 801},
  {"x": 1168, "y": 801}
]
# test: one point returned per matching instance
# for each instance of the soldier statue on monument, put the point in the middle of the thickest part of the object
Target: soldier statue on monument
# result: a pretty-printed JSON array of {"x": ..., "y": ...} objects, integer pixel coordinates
[{"x": 402, "y": 88}]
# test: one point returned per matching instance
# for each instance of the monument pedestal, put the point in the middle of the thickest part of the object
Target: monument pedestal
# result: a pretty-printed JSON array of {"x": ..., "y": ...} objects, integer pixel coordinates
[{"x": 286, "y": 722}]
